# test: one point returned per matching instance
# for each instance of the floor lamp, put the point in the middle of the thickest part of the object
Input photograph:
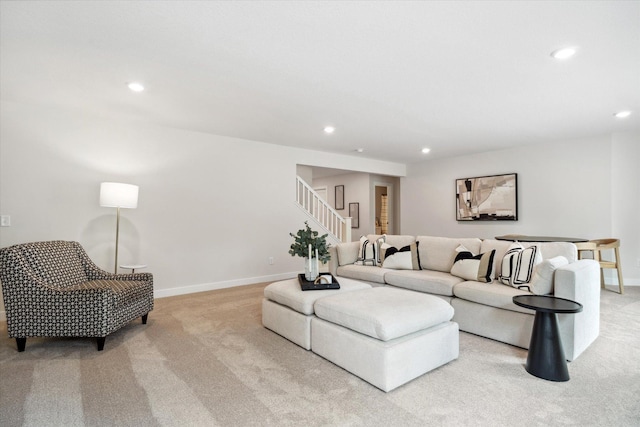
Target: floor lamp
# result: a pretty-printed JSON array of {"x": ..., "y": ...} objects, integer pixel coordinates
[{"x": 117, "y": 195}]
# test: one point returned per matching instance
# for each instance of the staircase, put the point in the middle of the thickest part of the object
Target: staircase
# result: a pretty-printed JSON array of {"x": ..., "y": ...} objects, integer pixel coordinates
[{"x": 338, "y": 228}]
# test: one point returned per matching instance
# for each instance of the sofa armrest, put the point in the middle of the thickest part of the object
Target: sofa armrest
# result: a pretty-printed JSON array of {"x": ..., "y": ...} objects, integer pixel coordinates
[
  {"x": 579, "y": 281},
  {"x": 343, "y": 254},
  {"x": 333, "y": 261}
]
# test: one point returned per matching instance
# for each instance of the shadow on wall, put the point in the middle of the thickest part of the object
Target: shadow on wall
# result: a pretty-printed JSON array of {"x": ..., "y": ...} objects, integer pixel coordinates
[{"x": 99, "y": 240}]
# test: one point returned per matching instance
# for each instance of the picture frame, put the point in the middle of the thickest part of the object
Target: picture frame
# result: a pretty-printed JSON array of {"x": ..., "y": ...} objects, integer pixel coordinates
[
  {"x": 487, "y": 198},
  {"x": 339, "y": 197},
  {"x": 354, "y": 213}
]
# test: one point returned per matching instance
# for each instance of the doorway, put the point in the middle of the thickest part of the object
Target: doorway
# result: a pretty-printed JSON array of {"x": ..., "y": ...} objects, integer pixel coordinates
[{"x": 383, "y": 208}]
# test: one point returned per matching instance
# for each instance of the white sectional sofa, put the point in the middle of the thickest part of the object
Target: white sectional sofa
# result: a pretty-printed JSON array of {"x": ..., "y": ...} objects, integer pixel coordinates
[{"x": 486, "y": 309}]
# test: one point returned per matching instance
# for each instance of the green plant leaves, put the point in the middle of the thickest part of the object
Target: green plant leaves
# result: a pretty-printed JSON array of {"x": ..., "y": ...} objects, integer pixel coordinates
[{"x": 306, "y": 236}]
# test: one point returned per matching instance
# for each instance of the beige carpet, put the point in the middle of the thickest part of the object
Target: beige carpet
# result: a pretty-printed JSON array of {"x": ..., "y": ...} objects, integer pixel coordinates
[{"x": 205, "y": 360}]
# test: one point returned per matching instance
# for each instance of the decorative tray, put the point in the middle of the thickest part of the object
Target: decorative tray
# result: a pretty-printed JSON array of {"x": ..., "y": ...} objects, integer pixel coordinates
[{"x": 311, "y": 286}]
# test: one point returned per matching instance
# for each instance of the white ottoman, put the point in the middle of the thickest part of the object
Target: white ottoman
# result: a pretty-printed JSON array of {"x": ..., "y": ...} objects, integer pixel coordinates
[
  {"x": 287, "y": 310},
  {"x": 385, "y": 336}
]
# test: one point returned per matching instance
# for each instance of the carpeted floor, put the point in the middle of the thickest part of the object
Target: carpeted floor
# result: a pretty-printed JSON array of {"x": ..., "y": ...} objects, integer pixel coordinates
[{"x": 205, "y": 360}]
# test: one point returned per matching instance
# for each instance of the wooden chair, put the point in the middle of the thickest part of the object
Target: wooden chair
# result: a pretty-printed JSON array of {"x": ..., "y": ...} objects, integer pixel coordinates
[{"x": 597, "y": 246}]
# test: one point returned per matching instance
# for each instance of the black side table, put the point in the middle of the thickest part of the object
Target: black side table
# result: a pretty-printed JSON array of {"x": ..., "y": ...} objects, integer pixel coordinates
[{"x": 546, "y": 356}]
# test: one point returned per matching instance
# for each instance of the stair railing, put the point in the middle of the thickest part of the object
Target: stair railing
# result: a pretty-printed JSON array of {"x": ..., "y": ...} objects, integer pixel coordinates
[{"x": 324, "y": 215}]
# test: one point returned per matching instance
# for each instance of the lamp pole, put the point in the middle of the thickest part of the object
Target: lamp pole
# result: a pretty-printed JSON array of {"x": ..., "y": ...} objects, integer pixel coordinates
[{"x": 115, "y": 268}]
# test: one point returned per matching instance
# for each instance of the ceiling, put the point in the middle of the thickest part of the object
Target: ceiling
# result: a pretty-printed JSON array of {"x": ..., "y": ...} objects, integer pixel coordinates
[{"x": 392, "y": 77}]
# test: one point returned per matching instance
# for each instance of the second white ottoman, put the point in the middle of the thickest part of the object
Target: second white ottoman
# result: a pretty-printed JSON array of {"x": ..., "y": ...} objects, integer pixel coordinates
[{"x": 385, "y": 336}]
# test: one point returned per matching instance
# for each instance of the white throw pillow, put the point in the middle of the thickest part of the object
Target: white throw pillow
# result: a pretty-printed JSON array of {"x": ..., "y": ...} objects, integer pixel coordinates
[
  {"x": 404, "y": 258},
  {"x": 473, "y": 267},
  {"x": 542, "y": 281},
  {"x": 519, "y": 264}
]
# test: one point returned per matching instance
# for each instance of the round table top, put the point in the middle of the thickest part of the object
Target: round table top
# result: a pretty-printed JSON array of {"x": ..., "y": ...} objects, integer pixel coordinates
[
  {"x": 133, "y": 266},
  {"x": 541, "y": 239},
  {"x": 547, "y": 303}
]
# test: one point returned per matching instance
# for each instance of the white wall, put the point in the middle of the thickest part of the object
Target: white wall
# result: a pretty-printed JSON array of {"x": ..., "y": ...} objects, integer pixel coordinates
[
  {"x": 625, "y": 202},
  {"x": 564, "y": 189},
  {"x": 356, "y": 189},
  {"x": 211, "y": 211}
]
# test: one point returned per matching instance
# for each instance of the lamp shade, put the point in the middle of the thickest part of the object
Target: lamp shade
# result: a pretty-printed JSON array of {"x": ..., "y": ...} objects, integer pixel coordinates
[{"x": 117, "y": 195}]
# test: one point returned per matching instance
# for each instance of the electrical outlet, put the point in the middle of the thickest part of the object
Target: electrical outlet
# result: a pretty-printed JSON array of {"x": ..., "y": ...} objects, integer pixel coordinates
[
  {"x": 5, "y": 221},
  {"x": 270, "y": 260},
  {"x": 638, "y": 263}
]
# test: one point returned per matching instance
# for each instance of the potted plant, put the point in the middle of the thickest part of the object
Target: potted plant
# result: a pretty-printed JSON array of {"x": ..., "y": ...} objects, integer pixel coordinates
[{"x": 313, "y": 248}]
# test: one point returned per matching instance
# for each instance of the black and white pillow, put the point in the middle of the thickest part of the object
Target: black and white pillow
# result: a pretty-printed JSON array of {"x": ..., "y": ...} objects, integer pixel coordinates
[
  {"x": 519, "y": 264},
  {"x": 379, "y": 242},
  {"x": 473, "y": 267},
  {"x": 367, "y": 254},
  {"x": 404, "y": 258}
]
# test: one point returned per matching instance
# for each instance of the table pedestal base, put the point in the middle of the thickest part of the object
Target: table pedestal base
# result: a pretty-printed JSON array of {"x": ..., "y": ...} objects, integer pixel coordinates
[{"x": 546, "y": 356}]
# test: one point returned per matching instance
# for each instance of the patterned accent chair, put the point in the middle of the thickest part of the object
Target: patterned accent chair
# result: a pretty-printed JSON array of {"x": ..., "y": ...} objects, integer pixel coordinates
[{"x": 53, "y": 289}]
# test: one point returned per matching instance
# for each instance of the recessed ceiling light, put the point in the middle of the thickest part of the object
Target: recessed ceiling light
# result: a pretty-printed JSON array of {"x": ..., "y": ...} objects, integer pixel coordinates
[
  {"x": 136, "y": 87},
  {"x": 360, "y": 150},
  {"x": 622, "y": 114},
  {"x": 564, "y": 53},
  {"x": 329, "y": 129},
  {"x": 425, "y": 150}
]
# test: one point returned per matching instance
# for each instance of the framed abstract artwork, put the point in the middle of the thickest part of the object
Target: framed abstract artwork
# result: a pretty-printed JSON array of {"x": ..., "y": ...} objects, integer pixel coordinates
[
  {"x": 354, "y": 213},
  {"x": 339, "y": 197},
  {"x": 487, "y": 198}
]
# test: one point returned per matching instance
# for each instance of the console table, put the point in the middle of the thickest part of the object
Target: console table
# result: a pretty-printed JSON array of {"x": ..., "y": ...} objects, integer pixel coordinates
[
  {"x": 546, "y": 355},
  {"x": 524, "y": 238}
]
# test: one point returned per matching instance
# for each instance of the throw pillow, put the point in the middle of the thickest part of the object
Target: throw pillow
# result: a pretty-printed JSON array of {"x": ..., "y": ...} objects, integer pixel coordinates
[
  {"x": 473, "y": 267},
  {"x": 405, "y": 258},
  {"x": 367, "y": 252},
  {"x": 518, "y": 265},
  {"x": 542, "y": 281},
  {"x": 379, "y": 242}
]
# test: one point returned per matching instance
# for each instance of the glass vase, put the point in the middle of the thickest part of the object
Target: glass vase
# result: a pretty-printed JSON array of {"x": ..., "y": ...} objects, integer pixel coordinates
[{"x": 310, "y": 269}]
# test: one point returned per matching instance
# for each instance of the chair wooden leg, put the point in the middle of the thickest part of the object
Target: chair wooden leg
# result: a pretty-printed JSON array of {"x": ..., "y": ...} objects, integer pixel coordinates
[
  {"x": 619, "y": 269},
  {"x": 602, "y": 278},
  {"x": 21, "y": 342},
  {"x": 144, "y": 319},
  {"x": 101, "y": 343}
]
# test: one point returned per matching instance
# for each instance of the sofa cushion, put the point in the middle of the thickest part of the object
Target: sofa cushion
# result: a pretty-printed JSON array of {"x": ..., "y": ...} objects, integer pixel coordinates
[
  {"x": 397, "y": 240},
  {"x": 431, "y": 282},
  {"x": 404, "y": 258},
  {"x": 347, "y": 252},
  {"x": 384, "y": 313},
  {"x": 542, "y": 281},
  {"x": 493, "y": 294},
  {"x": 438, "y": 253},
  {"x": 473, "y": 267},
  {"x": 366, "y": 273}
]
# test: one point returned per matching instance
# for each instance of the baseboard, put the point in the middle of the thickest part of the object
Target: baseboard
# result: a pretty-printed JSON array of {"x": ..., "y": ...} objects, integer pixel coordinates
[
  {"x": 203, "y": 287},
  {"x": 163, "y": 293}
]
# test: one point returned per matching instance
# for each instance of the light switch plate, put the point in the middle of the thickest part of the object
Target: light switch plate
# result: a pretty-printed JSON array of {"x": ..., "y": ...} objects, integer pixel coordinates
[{"x": 5, "y": 220}]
